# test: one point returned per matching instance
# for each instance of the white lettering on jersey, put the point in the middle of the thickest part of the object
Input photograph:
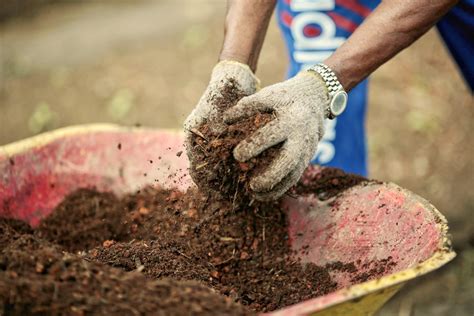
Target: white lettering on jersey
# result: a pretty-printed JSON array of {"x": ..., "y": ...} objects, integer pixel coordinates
[
  {"x": 311, "y": 5},
  {"x": 326, "y": 40}
]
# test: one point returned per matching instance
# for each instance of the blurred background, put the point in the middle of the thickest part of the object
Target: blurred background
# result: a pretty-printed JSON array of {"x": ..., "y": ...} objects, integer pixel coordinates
[{"x": 147, "y": 62}]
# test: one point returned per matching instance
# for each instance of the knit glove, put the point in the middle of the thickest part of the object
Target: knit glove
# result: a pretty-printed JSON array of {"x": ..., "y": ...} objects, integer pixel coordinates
[
  {"x": 299, "y": 105},
  {"x": 207, "y": 110},
  {"x": 221, "y": 74}
]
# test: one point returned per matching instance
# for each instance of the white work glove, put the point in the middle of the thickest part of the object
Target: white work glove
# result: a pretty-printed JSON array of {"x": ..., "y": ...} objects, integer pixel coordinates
[
  {"x": 222, "y": 73},
  {"x": 206, "y": 110},
  {"x": 299, "y": 105}
]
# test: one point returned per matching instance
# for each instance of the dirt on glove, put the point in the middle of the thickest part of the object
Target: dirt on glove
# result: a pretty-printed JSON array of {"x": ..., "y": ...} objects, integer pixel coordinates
[
  {"x": 169, "y": 236},
  {"x": 212, "y": 162}
]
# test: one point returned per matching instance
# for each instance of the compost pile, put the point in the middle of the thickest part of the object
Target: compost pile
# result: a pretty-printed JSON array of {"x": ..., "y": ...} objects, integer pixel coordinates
[{"x": 162, "y": 251}]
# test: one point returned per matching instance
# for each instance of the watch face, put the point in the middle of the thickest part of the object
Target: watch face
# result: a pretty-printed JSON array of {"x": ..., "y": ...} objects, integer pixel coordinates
[{"x": 338, "y": 103}]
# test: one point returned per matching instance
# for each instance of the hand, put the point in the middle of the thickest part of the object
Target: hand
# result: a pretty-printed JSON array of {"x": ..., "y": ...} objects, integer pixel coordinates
[
  {"x": 222, "y": 73},
  {"x": 299, "y": 105},
  {"x": 206, "y": 109}
]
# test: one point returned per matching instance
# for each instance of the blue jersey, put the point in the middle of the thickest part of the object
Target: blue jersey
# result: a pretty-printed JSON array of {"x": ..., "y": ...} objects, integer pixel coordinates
[{"x": 313, "y": 30}]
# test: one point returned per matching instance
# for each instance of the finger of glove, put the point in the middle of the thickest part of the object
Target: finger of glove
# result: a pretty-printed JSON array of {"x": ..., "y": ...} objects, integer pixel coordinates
[
  {"x": 269, "y": 135},
  {"x": 281, "y": 188},
  {"x": 282, "y": 165},
  {"x": 247, "y": 107},
  {"x": 193, "y": 121}
]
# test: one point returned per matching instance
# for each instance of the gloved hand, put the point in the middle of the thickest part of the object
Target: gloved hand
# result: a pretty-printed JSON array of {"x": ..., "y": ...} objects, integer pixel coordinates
[
  {"x": 221, "y": 74},
  {"x": 207, "y": 109},
  {"x": 299, "y": 105}
]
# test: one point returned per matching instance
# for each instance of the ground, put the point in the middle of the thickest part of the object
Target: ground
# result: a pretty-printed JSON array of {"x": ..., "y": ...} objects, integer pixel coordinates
[{"x": 147, "y": 62}]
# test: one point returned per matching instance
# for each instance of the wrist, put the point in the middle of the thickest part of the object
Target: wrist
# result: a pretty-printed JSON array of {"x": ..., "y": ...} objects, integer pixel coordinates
[
  {"x": 336, "y": 94},
  {"x": 346, "y": 71},
  {"x": 241, "y": 58}
]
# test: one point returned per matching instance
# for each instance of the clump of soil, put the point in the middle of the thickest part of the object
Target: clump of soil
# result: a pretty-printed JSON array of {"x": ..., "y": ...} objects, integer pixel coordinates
[
  {"x": 38, "y": 278},
  {"x": 211, "y": 150}
]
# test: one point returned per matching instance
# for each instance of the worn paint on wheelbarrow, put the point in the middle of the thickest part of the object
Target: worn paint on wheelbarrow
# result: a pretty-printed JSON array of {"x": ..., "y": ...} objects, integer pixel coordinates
[
  {"x": 366, "y": 222},
  {"x": 36, "y": 173}
]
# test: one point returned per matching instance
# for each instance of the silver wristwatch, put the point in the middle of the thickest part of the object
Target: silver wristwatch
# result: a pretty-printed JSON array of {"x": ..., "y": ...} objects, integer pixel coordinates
[{"x": 337, "y": 95}]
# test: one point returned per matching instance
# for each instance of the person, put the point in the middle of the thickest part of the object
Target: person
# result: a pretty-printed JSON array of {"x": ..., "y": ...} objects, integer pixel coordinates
[{"x": 334, "y": 45}]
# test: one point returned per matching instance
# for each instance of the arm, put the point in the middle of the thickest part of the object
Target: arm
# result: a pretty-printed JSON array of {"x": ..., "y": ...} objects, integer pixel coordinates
[
  {"x": 300, "y": 103},
  {"x": 392, "y": 27},
  {"x": 245, "y": 28}
]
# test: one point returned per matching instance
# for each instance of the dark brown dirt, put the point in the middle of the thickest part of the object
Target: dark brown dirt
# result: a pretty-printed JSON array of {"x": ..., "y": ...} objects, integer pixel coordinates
[
  {"x": 375, "y": 269},
  {"x": 327, "y": 182},
  {"x": 37, "y": 278},
  {"x": 12, "y": 229},
  {"x": 212, "y": 163},
  {"x": 242, "y": 253},
  {"x": 83, "y": 219}
]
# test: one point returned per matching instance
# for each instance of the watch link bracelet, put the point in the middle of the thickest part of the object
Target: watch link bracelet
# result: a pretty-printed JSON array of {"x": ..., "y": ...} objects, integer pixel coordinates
[{"x": 337, "y": 95}]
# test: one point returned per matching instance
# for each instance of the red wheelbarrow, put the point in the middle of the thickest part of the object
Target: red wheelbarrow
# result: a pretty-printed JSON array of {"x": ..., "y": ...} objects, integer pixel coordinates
[{"x": 365, "y": 223}]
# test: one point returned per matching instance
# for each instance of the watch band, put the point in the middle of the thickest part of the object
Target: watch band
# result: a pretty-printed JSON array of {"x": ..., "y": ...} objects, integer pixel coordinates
[{"x": 332, "y": 83}]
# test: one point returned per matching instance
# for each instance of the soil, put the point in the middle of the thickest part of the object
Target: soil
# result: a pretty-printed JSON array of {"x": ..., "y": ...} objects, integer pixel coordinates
[
  {"x": 211, "y": 150},
  {"x": 243, "y": 254},
  {"x": 39, "y": 279},
  {"x": 82, "y": 219},
  {"x": 12, "y": 229},
  {"x": 192, "y": 244},
  {"x": 327, "y": 182}
]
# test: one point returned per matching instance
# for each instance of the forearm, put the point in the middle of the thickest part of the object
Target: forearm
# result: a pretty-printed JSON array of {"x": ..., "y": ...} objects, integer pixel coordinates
[
  {"x": 393, "y": 26},
  {"x": 245, "y": 28}
]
